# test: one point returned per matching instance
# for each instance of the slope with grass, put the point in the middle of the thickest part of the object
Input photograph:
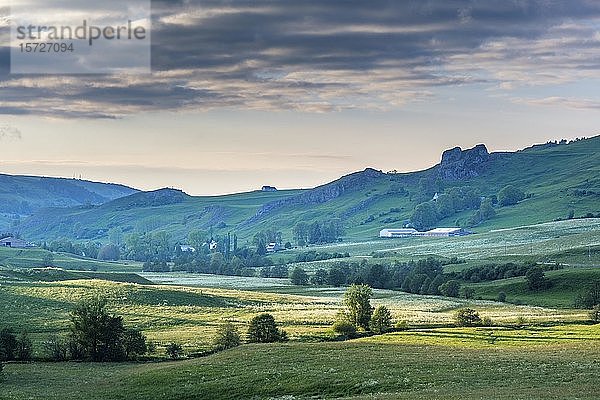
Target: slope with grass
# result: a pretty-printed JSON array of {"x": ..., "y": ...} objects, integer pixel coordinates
[
  {"x": 165, "y": 209},
  {"x": 191, "y": 315},
  {"x": 37, "y": 257},
  {"x": 22, "y": 195},
  {"x": 563, "y": 287},
  {"x": 558, "y": 178},
  {"x": 458, "y": 363}
]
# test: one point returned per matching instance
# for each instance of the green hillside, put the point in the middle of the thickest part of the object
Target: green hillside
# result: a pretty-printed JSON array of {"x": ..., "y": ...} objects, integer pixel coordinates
[
  {"x": 36, "y": 258},
  {"x": 21, "y": 196},
  {"x": 558, "y": 179}
]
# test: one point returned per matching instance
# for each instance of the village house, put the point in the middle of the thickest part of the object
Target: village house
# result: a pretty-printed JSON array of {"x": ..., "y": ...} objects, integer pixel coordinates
[
  {"x": 187, "y": 248},
  {"x": 15, "y": 243},
  {"x": 273, "y": 247}
]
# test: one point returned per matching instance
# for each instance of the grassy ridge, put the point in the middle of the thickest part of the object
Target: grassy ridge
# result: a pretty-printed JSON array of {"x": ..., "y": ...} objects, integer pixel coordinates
[
  {"x": 460, "y": 363},
  {"x": 565, "y": 285},
  {"x": 34, "y": 258},
  {"x": 558, "y": 178}
]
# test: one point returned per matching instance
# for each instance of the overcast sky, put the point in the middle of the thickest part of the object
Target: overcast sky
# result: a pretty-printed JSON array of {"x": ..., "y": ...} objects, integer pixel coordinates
[{"x": 296, "y": 93}]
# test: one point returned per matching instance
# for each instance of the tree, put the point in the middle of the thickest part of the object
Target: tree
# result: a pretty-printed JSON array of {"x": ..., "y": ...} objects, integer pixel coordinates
[
  {"x": 227, "y": 337},
  {"x": 300, "y": 232},
  {"x": 358, "y": 305},
  {"x": 425, "y": 216},
  {"x": 134, "y": 342},
  {"x": 344, "y": 328},
  {"x": 314, "y": 233},
  {"x": 263, "y": 329},
  {"x": 510, "y": 195},
  {"x": 450, "y": 288},
  {"x": 501, "y": 297},
  {"x": 24, "y": 350},
  {"x": 299, "y": 277},
  {"x": 536, "y": 279},
  {"x": 8, "y": 344},
  {"x": 109, "y": 252},
  {"x": 486, "y": 210},
  {"x": 101, "y": 336},
  {"x": 445, "y": 205},
  {"x": 260, "y": 241},
  {"x": 381, "y": 321},
  {"x": 320, "y": 277},
  {"x": 590, "y": 297},
  {"x": 467, "y": 317},
  {"x": 56, "y": 349},
  {"x": 174, "y": 350},
  {"x": 196, "y": 239},
  {"x": 467, "y": 292}
]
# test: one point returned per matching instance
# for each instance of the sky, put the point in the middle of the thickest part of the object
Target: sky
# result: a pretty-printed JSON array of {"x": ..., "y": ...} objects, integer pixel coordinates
[{"x": 297, "y": 93}]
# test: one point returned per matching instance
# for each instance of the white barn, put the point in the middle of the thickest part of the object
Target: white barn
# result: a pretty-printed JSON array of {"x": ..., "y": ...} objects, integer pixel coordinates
[
  {"x": 444, "y": 232},
  {"x": 397, "y": 232}
]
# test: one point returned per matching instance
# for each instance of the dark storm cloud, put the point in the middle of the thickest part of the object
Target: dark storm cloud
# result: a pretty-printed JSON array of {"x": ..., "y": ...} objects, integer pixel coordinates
[{"x": 321, "y": 56}]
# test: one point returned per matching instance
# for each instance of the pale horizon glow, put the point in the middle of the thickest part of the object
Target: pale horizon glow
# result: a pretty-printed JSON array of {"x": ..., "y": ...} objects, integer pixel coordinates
[{"x": 297, "y": 94}]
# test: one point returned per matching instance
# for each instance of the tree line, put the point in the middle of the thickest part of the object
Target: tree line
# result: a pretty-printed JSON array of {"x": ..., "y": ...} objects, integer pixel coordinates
[
  {"x": 428, "y": 213},
  {"x": 425, "y": 276}
]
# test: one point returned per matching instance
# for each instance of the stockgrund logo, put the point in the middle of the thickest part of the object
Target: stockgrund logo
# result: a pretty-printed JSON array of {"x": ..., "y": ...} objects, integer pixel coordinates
[{"x": 76, "y": 37}]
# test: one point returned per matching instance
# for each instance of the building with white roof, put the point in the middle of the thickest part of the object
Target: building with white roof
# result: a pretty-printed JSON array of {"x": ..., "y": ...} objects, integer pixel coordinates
[{"x": 399, "y": 232}]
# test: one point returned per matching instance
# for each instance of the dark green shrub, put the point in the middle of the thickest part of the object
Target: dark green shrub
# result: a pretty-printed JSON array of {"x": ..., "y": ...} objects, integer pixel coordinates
[
  {"x": 467, "y": 317},
  {"x": 502, "y": 297},
  {"x": 344, "y": 328},
  {"x": 174, "y": 350},
  {"x": 381, "y": 321},
  {"x": 24, "y": 350},
  {"x": 8, "y": 344},
  {"x": 227, "y": 337},
  {"x": 56, "y": 349},
  {"x": 263, "y": 329}
]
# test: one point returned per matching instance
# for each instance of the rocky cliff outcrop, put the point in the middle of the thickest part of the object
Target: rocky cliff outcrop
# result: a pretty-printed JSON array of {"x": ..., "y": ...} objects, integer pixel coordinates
[
  {"x": 322, "y": 194},
  {"x": 458, "y": 164}
]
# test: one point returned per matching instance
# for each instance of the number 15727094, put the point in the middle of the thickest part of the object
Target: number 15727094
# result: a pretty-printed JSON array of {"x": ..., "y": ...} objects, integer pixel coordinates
[{"x": 46, "y": 47}]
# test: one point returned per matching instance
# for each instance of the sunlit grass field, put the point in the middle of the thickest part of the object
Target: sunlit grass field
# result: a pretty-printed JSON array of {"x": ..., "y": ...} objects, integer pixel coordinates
[
  {"x": 191, "y": 316},
  {"x": 445, "y": 363}
]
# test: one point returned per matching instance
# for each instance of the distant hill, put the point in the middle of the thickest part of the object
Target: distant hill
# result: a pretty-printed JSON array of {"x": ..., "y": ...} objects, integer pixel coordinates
[
  {"x": 24, "y": 195},
  {"x": 559, "y": 179}
]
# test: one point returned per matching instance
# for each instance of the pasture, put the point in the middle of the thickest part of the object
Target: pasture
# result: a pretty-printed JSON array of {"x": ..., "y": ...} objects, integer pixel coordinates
[
  {"x": 191, "y": 315},
  {"x": 457, "y": 363}
]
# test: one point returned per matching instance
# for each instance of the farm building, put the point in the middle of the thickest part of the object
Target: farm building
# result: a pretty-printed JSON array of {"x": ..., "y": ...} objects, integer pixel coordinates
[
  {"x": 410, "y": 232},
  {"x": 400, "y": 232},
  {"x": 444, "y": 232},
  {"x": 15, "y": 243},
  {"x": 273, "y": 247}
]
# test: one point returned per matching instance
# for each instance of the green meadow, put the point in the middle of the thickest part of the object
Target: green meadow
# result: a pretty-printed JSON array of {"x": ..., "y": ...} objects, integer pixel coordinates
[
  {"x": 538, "y": 346},
  {"x": 459, "y": 363}
]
